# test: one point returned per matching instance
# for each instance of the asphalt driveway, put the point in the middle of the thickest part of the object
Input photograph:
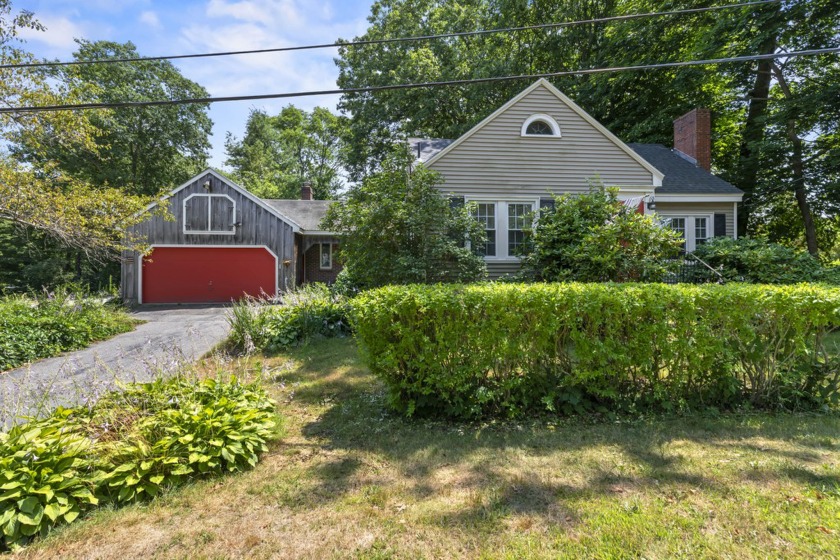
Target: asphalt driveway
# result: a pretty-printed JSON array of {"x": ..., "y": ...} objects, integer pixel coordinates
[{"x": 170, "y": 337}]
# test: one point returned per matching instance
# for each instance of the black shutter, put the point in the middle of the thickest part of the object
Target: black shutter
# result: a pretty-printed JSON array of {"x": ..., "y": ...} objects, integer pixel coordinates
[
  {"x": 720, "y": 225},
  {"x": 456, "y": 202},
  {"x": 547, "y": 203}
]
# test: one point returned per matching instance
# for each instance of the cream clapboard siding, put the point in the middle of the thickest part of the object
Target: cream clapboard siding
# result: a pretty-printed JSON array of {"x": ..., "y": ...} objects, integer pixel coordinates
[
  {"x": 497, "y": 269},
  {"x": 258, "y": 227},
  {"x": 497, "y": 162},
  {"x": 700, "y": 209}
]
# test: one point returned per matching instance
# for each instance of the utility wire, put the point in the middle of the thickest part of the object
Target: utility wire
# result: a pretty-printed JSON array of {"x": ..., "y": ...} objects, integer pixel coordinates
[
  {"x": 393, "y": 40},
  {"x": 372, "y": 89}
]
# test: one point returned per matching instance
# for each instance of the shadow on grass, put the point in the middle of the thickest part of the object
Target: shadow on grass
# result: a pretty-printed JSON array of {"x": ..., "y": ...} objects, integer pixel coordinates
[{"x": 531, "y": 468}]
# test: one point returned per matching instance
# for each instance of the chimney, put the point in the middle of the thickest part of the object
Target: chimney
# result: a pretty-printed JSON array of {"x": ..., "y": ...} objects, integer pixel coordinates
[
  {"x": 306, "y": 191},
  {"x": 693, "y": 137}
]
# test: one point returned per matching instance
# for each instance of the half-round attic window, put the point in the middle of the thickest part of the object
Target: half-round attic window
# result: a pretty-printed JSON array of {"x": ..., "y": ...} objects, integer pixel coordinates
[{"x": 540, "y": 125}]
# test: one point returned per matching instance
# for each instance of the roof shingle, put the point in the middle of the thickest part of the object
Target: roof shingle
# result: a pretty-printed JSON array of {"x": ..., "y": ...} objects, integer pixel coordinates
[{"x": 682, "y": 176}]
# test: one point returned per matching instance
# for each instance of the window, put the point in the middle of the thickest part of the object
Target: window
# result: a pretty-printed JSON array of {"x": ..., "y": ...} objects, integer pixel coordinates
[
  {"x": 209, "y": 214},
  {"x": 693, "y": 229},
  {"x": 518, "y": 215},
  {"x": 486, "y": 214},
  {"x": 505, "y": 224},
  {"x": 540, "y": 125},
  {"x": 326, "y": 256},
  {"x": 700, "y": 231},
  {"x": 678, "y": 225}
]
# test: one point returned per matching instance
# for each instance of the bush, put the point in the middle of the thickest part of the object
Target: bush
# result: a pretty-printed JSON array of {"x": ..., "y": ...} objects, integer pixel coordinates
[
  {"x": 126, "y": 448},
  {"x": 309, "y": 312},
  {"x": 31, "y": 329},
  {"x": 507, "y": 349},
  {"x": 397, "y": 228},
  {"x": 595, "y": 237},
  {"x": 758, "y": 261}
]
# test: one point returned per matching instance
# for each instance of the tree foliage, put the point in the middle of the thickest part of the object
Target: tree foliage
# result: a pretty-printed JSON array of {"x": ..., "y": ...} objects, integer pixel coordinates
[
  {"x": 775, "y": 124},
  {"x": 140, "y": 150},
  {"x": 35, "y": 191},
  {"x": 279, "y": 153},
  {"x": 399, "y": 229},
  {"x": 594, "y": 237}
]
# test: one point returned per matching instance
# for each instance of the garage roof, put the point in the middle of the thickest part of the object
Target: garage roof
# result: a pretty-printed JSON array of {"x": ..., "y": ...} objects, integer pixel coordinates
[{"x": 308, "y": 214}]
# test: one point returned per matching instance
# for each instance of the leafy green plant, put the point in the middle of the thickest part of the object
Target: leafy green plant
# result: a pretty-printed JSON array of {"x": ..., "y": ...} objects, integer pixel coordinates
[
  {"x": 306, "y": 313},
  {"x": 507, "y": 349},
  {"x": 44, "y": 478},
  {"x": 398, "y": 228},
  {"x": 128, "y": 447},
  {"x": 48, "y": 325},
  {"x": 755, "y": 260},
  {"x": 594, "y": 237}
]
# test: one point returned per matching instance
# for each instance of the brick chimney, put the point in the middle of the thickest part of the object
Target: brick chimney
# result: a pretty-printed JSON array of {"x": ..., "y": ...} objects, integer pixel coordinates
[
  {"x": 306, "y": 191},
  {"x": 693, "y": 137}
]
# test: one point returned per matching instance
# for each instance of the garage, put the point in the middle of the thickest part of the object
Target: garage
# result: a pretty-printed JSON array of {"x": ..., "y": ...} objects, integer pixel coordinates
[{"x": 199, "y": 274}]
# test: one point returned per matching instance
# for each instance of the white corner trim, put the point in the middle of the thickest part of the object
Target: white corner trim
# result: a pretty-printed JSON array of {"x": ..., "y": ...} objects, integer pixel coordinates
[
  {"x": 164, "y": 245},
  {"x": 547, "y": 119},
  {"x": 209, "y": 197},
  {"x": 657, "y": 175},
  {"x": 699, "y": 197},
  {"x": 735, "y": 220},
  {"x": 235, "y": 186}
]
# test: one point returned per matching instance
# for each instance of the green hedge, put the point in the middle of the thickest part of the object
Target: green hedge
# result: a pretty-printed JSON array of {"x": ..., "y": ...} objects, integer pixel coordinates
[
  {"x": 469, "y": 351},
  {"x": 125, "y": 448}
]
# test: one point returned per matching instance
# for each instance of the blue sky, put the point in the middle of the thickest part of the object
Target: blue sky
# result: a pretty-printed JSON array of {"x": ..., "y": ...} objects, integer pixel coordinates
[{"x": 160, "y": 27}]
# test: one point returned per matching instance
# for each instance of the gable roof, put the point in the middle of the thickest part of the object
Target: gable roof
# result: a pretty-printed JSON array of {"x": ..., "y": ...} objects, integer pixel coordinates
[
  {"x": 682, "y": 176},
  {"x": 542, "y": 82},
  {"x": 232, "y": 184},
  {"x": 307, "y": 213}
]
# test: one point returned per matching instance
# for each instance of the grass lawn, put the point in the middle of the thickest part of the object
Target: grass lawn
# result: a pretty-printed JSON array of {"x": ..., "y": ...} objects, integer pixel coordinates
[{"x": 349, "y": 480}]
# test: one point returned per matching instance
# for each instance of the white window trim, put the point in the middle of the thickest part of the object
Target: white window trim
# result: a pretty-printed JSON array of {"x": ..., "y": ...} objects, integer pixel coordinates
[
  {"x": 690, "y": 229},
  {"x": 321, "y": 256},
  {"x": 209, "y": 198},
  {"x": 502, "y": 224},
  {"x": 547, "y": 119}
]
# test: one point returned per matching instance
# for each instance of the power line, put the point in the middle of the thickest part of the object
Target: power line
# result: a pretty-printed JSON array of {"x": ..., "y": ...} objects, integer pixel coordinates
[
  {"x": 373, "y": 89},
  {"x": 393, "y": 40}
]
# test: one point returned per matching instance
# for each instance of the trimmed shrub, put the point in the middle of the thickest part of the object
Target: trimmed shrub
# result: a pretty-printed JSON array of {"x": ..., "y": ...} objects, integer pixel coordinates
[
  {"x": 31, "y": 329},
  {"x": 310, "y": 312},
  {"x": 758, "y": 261},
  {"x": 126, "y": 448},
  {"x": 507, "y": 349}
]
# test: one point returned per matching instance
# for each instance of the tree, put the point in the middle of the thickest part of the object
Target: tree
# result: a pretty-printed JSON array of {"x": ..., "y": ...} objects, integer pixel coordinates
[
  {"x": 280, "y": 153},
  {"x": 141, "y": 150},
  {"x": 36, "y": 192},
  {"x": 594, "y": 237},
  {"x": 399, "y": 229},
  {"x": 775, "y": 124}
]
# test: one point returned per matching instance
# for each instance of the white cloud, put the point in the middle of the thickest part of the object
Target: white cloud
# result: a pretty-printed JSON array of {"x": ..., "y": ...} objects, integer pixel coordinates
[
  {"x": 59, "y": 33},
  {"x": 151, "y": 19}
]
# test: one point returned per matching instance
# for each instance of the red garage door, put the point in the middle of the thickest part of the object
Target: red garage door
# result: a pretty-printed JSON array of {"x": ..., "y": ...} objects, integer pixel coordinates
[{"x": 207, "y": 274}]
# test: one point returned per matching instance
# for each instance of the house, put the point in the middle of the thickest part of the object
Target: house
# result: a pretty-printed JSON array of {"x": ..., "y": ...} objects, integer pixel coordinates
[
  {"x": 541, "y": 143},
  {"x": 225, "y": 242}
]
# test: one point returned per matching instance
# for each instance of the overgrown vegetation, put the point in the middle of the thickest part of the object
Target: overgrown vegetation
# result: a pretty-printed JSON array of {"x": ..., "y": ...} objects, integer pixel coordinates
[
  {"x": 508, "y": 349},
  {"x": 595, "y": 237},
  {"x": 127, "y": 447},
  {"x": 34, "y": 328},
  {"x": 311, "y": 311},
  {"x": 350, "y": 481},
  {"x": 399, "y": 229},
  {"x": 758, "y": 261}
]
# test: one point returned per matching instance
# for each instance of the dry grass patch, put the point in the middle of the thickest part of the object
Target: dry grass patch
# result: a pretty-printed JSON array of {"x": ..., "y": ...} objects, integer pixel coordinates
[{"x": 349, "y": 480}]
